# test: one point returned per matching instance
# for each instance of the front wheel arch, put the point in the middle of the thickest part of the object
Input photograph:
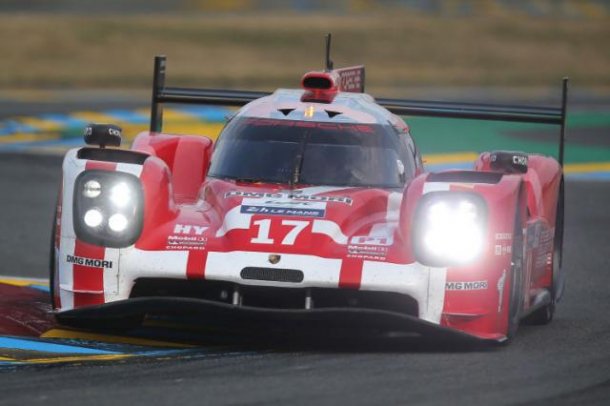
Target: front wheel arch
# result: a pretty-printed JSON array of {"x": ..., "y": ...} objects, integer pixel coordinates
[
  {"x": 516, "y": 272},
  {"x": 545, "y": 314}
]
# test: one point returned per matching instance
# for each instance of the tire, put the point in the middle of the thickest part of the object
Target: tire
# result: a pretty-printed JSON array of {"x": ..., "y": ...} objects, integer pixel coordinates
[
  {"x": 516, "y": 279},
  {"x": 52, "y": 262},
  {"x": 542, "y": 316},
  {"x": 558, "y": 272},
  {"x": 545, "y": 314}
]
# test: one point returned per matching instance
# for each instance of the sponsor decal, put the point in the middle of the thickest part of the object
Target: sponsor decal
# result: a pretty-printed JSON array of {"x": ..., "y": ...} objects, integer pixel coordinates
[
  {"x": 93, "y": 263},
  {"x": 366, "y": 257},
  {"x": 520, "y": 160},
  {"x": 474, "y": 285},
  {"x": 374, "y": 252},
  {"x": 503, "y": 249},
  {"x": 283, "y": 207},
  {"x": 182, "y": 242},
  {"x": 504, "y": 236},
  {"x": 500, "y": 287},
  {"x": 351, "y": 79},
  {"x": 372, "y": 240},
  {"x": 187, "y": 229},
  {"x": 288, "y": 196},
  {"x": 187, "y": 237}
]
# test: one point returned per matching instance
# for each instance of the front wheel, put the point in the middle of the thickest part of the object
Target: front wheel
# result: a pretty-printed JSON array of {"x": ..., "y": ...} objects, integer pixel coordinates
[
  {"x": 53, "y": 263},
  {"x": 545, "y": 314},
  {"x": 516, "y": 280}
]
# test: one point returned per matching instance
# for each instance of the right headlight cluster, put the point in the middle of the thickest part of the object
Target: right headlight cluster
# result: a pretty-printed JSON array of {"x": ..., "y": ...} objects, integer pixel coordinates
[
  {"x": 449, "y": 228},
  {"x": 108, "y": 208}
]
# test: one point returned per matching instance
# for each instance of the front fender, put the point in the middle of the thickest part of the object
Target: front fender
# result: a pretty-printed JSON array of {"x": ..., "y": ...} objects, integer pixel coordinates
[{"x": 476, "y": 295}]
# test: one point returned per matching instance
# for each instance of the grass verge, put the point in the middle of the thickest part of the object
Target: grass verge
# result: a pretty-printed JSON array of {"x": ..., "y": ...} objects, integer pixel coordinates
[{"x": 266, "y": 51}]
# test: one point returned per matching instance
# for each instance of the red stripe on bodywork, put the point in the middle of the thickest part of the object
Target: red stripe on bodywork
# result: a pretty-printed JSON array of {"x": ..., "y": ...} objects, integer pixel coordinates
[
  {"x": 195, "y": 266},
  {"x": 102, "y": 166},
  {"x": 86, "y": 278},
  {"x": 351, "y": 273}
]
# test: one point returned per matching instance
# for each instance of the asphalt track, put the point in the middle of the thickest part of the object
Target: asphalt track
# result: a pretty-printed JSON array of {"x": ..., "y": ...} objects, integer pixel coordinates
[{"x": 567, "y": 362}]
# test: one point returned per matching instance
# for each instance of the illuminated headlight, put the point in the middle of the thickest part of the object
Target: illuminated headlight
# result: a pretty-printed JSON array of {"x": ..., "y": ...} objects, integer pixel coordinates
[
  {"x": 449, "y": 228},
  {"x": 93, "y": 218},
  {"x": 118, "y": 223},
  {"x": 108, "y": 208},
  {"x": 92, "y": 189},
  {"x": 120, "y": 194}
]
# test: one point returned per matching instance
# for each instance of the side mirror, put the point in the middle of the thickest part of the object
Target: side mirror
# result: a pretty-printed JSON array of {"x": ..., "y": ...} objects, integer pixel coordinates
[
  {"x": 103, "y": 135},
  {"x": 508, "y": 161}
]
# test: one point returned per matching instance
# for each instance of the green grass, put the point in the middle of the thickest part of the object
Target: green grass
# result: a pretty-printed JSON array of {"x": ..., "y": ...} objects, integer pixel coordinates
[
  {"x": 436, "y": 136},
  {"x": 262, "y": 51}
]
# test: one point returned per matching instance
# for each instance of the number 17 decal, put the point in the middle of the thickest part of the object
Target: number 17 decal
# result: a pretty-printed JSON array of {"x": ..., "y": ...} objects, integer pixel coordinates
[{"x": 264, "y": 227}]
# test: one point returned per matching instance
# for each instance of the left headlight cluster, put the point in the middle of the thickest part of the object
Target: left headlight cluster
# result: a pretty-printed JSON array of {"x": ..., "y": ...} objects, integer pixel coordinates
[
  {"x": 108, "y": 208},
  {"x": 449, "y": 228}
]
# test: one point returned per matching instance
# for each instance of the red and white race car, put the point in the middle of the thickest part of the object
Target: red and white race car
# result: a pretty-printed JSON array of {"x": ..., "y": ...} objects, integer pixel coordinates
[{"x": 312, "y": 208}]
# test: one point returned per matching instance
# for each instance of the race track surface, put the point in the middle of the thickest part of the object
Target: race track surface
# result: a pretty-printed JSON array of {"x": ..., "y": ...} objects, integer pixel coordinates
[{"x": 567, "y": 362}]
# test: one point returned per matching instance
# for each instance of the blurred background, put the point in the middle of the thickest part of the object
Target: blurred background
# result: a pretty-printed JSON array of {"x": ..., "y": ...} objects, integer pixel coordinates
[
  {"x": 270, "y": 43},
  {"x": 67, "y": 62}
]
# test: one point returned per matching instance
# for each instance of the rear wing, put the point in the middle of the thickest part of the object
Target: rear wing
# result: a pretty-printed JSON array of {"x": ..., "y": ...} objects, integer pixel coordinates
[{"x": 162, "y": 94}]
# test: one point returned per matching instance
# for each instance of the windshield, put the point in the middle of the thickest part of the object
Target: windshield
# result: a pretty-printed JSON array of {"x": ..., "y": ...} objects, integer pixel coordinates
[{"x": 312, "y": 153}]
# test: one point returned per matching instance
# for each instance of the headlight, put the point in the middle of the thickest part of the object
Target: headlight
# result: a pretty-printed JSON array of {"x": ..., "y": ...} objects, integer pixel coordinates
[
  {"x": 93, "y": 218},
  {"x": 108, "y": 208},
  {"x": 449, "y": 228}
]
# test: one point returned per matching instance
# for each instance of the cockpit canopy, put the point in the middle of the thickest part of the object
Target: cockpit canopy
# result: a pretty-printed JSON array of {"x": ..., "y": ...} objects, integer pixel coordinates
[{"x": 311, "y": 153}]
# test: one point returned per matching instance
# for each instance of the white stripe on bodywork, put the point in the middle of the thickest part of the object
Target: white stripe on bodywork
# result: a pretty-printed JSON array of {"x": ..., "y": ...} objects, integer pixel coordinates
[
  {"x": 234, "y": 220},
  {"x": 317, "y": 271},
  {"x": 72, "y": 167},
  {"x": 66, "y": 279},
  {"x": 330, "y": 229},
  {"x": 387, "y": 230},
  {"x": 135, "y": 263},
  {"x": 436, "y": 187},
  {"x": 394, "y": 204},
  {"x": 111, "y": 275},
  {"x": 318, "y": 190},
  {"x": 134, "y": 169},
  {"x": 436, "y": 294},
  {"x": 424, "y": 284}
]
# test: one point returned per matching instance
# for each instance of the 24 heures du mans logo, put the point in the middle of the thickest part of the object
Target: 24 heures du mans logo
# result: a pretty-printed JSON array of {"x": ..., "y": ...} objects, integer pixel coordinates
[{"x": 93, "y": 263}]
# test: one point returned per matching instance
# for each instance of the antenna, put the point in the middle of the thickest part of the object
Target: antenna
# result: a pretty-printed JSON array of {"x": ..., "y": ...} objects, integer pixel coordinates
[{"x": 329, "y": 63}]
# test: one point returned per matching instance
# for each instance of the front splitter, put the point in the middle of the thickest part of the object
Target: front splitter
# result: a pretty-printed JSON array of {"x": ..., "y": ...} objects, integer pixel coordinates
[{"x": 245, "y": 319}]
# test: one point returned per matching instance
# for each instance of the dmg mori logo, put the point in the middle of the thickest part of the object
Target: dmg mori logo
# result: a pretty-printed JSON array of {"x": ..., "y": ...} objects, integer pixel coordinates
[{"x": 93, "y": 263}]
